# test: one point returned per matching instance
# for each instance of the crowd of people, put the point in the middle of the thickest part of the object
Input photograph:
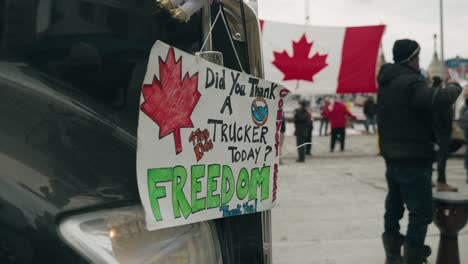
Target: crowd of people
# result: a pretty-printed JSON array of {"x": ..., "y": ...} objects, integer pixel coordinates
[
  {"x": 333, "y": 112},
  {"x": 414, "y": 117},
  {"x": 415, "y": 125}
]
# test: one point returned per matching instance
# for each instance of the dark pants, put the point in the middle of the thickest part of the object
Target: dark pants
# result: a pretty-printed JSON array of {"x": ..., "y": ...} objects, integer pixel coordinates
[
  {"x": 411, "y": 187},
  {"x": 370, "y": 121},
  {"x": 308, "y": 140},
  {"x": 442, "y": 156},
  {"x": 323, "y": 123},
  {"x": 300, "y": 140},
  {"x": 335, "y": 134}
]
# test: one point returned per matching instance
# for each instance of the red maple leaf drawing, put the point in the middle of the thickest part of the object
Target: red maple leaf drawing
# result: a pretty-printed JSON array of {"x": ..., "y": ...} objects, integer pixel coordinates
[
  {"x": 300, "y": 66},
  {"x": 171, "y": 100}
]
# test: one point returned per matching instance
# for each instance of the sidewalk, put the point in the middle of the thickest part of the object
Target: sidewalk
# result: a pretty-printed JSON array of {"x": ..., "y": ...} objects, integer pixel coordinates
[{"x": 330, "y": 208}]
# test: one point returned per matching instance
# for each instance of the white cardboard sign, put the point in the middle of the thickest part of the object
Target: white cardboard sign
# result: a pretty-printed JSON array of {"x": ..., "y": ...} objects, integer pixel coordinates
[{"x": 208, "y": 140}]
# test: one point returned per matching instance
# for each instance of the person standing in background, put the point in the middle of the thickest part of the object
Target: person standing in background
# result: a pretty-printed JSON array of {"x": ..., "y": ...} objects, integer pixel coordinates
[
  {"x": 443, "y": 131},
  {"x": 370, "y": 111},
  {"x": 282, "y": 132},
  {"x": 337, "y": 114},
  {"x": 324, "y": 119},
  {"x": 406, "y": 139},
  {"x": 301, "y": 123},
  {"x": 310, "y": 128},
  {"x": 463, "y": 123}
]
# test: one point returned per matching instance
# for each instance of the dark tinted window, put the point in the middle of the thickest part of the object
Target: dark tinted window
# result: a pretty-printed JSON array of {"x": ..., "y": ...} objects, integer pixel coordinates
[{"x": 93, "y": 46}]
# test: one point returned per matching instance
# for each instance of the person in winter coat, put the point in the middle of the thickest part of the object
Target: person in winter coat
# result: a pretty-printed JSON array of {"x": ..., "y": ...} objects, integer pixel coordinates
[
  {"x": 282, "y": 132},
  {"x": 406, "y": 140},
  {"x": 310, "y": 128},
  {"x": 443, "y": 131},
  {"x": 370, "y": 111},
  {"x": 337, "y": 114},
  {"x": 324, "y": 119},
  {"x": 301, "y": 123},
  {"x": 463, "y": 123}
]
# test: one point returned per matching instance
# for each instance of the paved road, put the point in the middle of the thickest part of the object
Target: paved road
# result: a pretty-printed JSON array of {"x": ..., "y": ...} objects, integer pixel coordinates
[{"x": 330, "y": 209}]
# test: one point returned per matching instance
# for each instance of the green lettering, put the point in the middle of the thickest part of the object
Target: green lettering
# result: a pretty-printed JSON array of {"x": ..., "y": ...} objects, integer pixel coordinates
[
  {"x": 156, "y": 176},
  {"x": 260, "y": 178},
  {"x": 179, "y": 201},
  {"x": 213, "y": 173},
  {"x": 227, "y": 185},
  {"x": 198, "y": 172},
  {"x": 242, "y": 184}
]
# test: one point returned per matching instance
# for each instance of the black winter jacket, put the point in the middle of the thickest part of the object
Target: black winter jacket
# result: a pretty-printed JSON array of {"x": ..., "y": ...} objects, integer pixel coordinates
[
  {"x": 443, "y": 121},
  {"x": 370, "y": 108},
  {"x": 405, "y": 108},
  {"x": 301, "y": 122}
]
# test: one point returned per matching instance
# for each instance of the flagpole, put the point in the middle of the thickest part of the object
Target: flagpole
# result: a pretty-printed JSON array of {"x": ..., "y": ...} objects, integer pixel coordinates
[
  {"x": 307, "y": 20},
  {"x": 442, "y": 57}
]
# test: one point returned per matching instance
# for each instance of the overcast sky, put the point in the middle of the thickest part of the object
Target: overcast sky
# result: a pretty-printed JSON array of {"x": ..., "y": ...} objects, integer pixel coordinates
[{"x": 415, "y": 19}]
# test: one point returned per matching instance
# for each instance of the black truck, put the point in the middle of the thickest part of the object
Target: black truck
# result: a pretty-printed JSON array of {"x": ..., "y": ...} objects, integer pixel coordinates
[{"x": 70, "y": 80}]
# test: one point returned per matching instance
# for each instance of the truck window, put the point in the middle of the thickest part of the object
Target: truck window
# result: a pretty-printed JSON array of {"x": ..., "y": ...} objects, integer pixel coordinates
[{"x": 95, "y": 47}]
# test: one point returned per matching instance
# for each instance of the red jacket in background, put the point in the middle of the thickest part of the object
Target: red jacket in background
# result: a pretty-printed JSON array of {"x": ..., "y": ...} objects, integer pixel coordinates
[
  {"x": 325, "y": 110},
  {"x": 337, "y": 115}
]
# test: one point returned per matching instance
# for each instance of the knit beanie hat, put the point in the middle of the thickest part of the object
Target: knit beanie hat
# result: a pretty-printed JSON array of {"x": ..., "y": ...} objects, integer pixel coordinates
[{"x": 404, "y": 50}]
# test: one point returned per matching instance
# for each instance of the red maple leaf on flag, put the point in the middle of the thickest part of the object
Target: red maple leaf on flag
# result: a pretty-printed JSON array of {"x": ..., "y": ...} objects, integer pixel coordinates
[
  {"x": 171, "y": 100},
  {"x": 300, "y": 66}
]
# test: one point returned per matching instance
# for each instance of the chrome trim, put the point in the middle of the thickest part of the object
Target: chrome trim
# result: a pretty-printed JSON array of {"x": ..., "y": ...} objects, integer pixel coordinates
[
  {"x": 206, "y": 24},
  {"x": 267, "y": 241},
  {"x": 233, "y": 15}
]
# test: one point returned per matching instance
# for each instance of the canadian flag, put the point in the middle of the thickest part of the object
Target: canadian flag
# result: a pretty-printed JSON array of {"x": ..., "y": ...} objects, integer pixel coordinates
[{"x": 321, "y": 60}]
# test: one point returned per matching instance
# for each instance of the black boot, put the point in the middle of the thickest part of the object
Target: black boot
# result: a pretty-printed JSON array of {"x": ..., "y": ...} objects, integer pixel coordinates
[
  {"x": 415, "y": 255},
  {"x": 392, "y": 245}
]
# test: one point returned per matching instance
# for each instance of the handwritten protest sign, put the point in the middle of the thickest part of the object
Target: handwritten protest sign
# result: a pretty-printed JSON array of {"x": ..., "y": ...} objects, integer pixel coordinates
[{"x": 208, "y": 140}]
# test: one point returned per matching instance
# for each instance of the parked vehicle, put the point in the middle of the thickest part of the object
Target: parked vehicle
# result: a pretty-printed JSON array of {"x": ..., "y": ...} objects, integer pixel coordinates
[{"x": 70, "y": 79}]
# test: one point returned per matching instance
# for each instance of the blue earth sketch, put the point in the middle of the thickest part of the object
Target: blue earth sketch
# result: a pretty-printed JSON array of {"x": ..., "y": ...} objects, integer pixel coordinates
[{"x": 259, "y": 117}]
